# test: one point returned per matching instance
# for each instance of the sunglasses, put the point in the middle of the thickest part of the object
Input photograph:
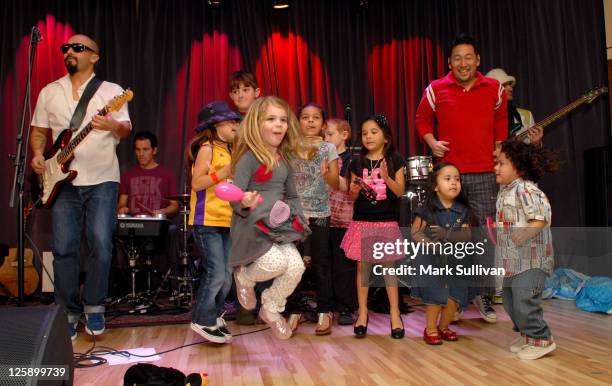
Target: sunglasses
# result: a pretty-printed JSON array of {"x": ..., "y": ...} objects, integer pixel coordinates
[{"x": 76, "y": 47}]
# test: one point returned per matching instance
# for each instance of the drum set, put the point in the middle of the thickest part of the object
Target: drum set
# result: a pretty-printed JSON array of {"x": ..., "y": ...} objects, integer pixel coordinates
[
  {"x": 417, "y": 172},
  {"x": 141, "y": 236}
]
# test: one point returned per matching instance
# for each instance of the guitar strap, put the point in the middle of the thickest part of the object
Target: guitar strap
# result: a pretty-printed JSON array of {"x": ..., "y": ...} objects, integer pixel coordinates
[{"x": 79, "y": 112}]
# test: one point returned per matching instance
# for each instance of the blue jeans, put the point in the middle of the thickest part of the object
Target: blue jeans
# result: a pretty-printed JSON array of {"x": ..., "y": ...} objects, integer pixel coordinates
[
  {"x": 523, "y": 303},
  {"x": 214, "y": 244},
  {"x": 95, "y": 207}
]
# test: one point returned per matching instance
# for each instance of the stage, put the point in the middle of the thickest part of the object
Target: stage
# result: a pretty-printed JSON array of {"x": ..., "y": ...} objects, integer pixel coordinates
[{"x": 480, "y": 357}]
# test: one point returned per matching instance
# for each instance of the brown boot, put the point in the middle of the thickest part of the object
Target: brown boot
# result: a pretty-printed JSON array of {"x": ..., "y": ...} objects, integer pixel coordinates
[
  {"x": 245, "y": 294},
  {"x": 278, "y": 324}
]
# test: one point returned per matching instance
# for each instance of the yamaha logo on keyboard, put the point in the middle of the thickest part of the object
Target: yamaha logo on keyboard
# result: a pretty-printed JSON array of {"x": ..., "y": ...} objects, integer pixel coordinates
[{"x": 131, "y": 225}]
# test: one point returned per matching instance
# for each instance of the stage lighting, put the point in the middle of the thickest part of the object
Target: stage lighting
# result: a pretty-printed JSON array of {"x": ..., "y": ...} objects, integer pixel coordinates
[
  {"x": 279, "y": 4},
  {"x": 215, "y": 3},
  {"x": 363, "y": 3}
]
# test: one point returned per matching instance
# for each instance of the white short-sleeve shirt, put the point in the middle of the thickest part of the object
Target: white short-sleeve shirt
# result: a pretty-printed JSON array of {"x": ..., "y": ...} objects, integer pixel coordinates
[{"x": 95, "y": 158}]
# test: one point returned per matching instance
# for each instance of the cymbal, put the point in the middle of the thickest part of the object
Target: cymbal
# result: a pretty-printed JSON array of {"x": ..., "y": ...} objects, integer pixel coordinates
[{"x": 179, "y": 197}]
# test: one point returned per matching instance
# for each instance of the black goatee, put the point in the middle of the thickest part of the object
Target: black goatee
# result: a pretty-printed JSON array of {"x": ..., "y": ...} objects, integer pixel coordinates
[{"x": 72, "y": 68}]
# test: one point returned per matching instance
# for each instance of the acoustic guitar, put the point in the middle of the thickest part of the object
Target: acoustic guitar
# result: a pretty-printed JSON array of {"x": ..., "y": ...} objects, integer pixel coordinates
[{"x": 8, "y": 274}]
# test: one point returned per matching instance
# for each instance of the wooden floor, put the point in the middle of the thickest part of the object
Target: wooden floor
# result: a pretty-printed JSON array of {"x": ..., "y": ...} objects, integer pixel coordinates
[{"x": 480, "y": 357}]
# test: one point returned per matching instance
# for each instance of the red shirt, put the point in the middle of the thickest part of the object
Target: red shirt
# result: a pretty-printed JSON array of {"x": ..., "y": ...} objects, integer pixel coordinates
[
  {"x": 470, "y": 120},
  {"x": 147, "y": 188}
]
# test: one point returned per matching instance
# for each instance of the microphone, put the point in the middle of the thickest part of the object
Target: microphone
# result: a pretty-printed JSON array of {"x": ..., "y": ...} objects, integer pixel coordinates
[
  {"x": 347, "y": 112},
  {"x": 36, "y": 36}
]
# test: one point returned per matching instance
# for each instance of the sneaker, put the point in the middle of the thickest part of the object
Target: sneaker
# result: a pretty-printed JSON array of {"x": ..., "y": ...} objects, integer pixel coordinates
[
  {"x": 458, "y": 315},
  {"x": 486, "y": 309},
  {"x": 536, "y": 352},
  {"x": 72, "y": 330},
  {"x": 95, "y": 323},
  {"x": 518, "y": 344},
  {"x": 212, "y": 334},
  {"x": 345, "y": 319},
  {"x": 222, "y": 326},
  {"x": 498, "y": 298}
]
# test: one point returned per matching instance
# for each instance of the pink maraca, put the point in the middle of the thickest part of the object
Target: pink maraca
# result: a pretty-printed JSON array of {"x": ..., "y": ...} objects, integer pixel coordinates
[{"x": 231, "y": 192}]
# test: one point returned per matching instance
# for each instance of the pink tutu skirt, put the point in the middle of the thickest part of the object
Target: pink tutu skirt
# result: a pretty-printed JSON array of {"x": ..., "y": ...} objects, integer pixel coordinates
[{"x": 363, "y": 241}]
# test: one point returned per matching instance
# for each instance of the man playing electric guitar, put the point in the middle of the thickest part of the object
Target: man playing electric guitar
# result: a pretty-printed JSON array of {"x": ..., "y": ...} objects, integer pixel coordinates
[{"x": 90, "y": 198}]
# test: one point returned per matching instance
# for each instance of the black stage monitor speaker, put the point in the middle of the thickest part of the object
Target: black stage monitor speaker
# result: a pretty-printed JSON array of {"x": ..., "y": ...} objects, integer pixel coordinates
[{"x": 33, "y": 340}]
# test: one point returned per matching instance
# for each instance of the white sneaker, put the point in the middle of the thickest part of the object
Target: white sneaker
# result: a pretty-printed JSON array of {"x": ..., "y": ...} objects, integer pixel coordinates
[
  {"x": 535, "y": 352},
  {"x": 518, "y": 344},
  {"x": 222, "y": 326},
  {"x": 486, "y": 309}
]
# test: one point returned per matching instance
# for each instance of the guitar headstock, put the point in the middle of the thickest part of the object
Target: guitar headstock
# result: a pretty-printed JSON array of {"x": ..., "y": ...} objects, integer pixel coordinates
[
  {"x": 119, "y": 100},
  {"x": 594, "y": 93}
]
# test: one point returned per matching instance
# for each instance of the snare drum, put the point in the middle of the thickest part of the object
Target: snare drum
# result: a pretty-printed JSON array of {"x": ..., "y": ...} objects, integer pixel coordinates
[{"x": 419, "y": 168}]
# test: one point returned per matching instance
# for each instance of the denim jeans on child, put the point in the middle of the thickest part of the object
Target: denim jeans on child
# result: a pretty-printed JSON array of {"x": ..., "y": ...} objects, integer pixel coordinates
[
  {"x": 95, "y": 206},
  {"x": 523, "y": 303},
  {"x": 214, "y": 244}
]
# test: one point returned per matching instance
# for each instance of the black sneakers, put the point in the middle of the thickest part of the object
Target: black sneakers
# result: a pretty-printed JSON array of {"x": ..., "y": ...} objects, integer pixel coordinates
[{"x": 216, "y": 334}]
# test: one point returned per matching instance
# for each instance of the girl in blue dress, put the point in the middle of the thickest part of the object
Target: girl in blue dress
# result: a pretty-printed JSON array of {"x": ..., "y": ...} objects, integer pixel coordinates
[{"x": 445, "y": 217}]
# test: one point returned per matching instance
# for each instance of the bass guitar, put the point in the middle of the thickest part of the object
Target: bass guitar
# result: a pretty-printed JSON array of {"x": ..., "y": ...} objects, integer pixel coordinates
[{"x": 589, "y": 97}]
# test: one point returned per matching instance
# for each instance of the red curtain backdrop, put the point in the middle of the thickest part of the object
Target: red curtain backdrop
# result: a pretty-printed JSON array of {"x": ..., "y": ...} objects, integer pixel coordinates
[
  {"x": 395, "y": 67},
  {"x": 287, "y": 67},
  {"x": 201, "y": 79}
]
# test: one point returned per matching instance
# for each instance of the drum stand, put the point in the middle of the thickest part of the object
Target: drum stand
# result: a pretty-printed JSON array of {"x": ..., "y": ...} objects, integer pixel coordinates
[
  {"x": 413, "y": 198},
  {"x": 183, "y": 295},
  {"x": 133, "y": 255}
]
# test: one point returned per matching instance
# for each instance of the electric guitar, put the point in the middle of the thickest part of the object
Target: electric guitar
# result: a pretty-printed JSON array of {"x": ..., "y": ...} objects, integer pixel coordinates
[
  {"x": 57, "y": 170},
  {"x": 589, "y": 97}
]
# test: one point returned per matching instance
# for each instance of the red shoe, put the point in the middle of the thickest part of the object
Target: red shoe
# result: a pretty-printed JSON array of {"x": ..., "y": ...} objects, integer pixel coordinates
[
  {"x": 433, "y": 339},
  {"x": 448, "y": 334}
]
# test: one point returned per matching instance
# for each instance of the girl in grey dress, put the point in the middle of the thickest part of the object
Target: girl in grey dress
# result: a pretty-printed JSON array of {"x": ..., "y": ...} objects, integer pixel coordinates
[{"x": 263, "y": 231}]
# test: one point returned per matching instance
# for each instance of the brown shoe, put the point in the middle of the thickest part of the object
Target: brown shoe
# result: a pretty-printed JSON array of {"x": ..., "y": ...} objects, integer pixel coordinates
[
  {"x": 246, "y": 295},
  {"x": 278, "y": 324},
  {"x": 295, "y": 320},
  {"x": 324, "y": 325}
]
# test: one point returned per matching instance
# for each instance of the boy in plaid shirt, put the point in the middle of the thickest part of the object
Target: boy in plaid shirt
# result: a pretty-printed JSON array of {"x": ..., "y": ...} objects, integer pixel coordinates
[{"x": 524, "y": 243}]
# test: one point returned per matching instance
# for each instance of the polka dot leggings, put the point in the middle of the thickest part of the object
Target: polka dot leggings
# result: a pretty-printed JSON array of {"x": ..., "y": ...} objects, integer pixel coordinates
[{"x": 284, "y": 264}]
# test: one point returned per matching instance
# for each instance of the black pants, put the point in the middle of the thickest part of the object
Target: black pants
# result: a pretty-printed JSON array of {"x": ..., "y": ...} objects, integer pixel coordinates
[
  {"x": 344, "y": 272},
  {"x": 334, "y": 273}
]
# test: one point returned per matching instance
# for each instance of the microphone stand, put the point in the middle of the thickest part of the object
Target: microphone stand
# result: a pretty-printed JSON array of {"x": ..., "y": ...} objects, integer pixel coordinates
[
  {"x": 347, "y": 117},
  {"x": 19, "y": 160}
]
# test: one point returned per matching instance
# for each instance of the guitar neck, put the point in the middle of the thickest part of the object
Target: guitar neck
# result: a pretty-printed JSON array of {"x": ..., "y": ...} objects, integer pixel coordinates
[
  {"x": 67, "y": 151},
  {"x": 523, "y": 134}
]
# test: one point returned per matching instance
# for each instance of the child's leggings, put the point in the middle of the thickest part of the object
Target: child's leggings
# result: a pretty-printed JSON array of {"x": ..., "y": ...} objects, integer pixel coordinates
[{"x": 284, "y": 264}]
